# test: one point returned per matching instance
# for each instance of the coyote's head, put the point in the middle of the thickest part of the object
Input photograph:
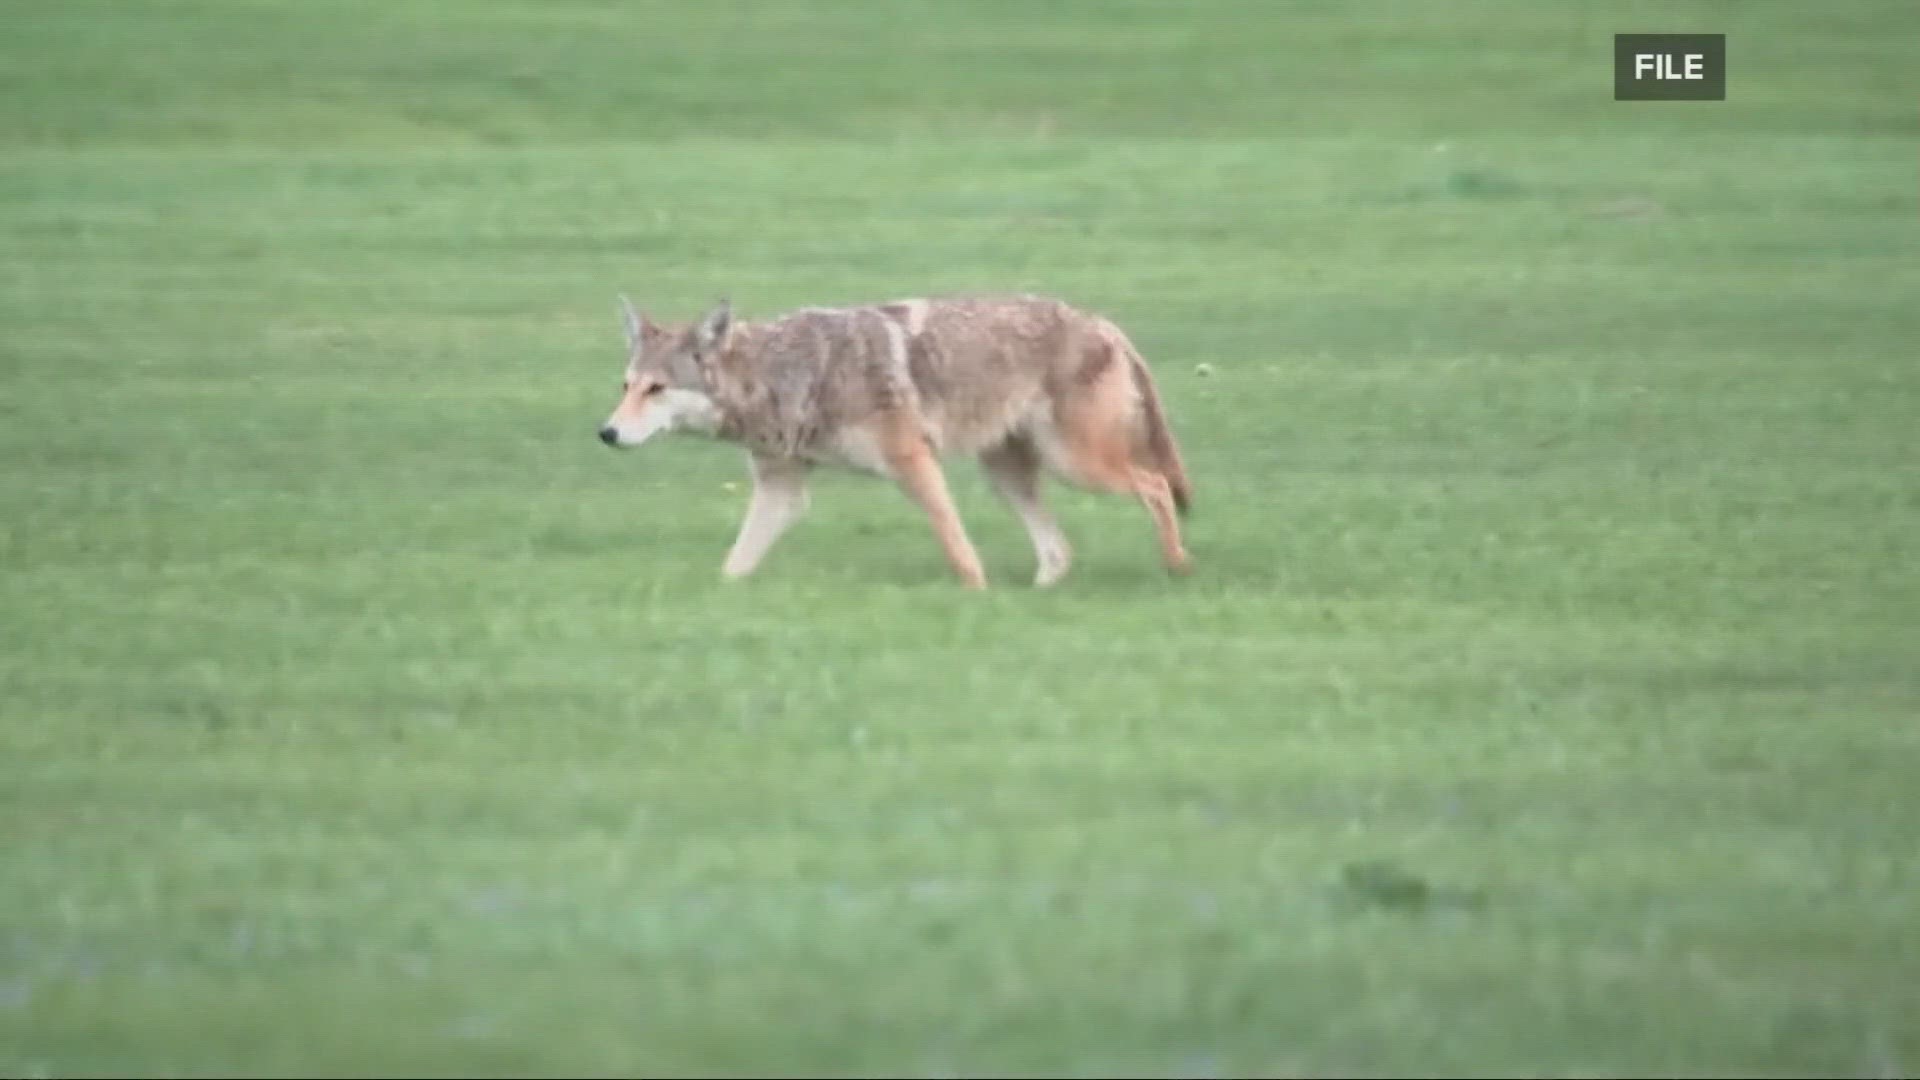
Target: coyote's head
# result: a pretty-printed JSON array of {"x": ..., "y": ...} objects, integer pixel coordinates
[{"x": 665, "y": 388}]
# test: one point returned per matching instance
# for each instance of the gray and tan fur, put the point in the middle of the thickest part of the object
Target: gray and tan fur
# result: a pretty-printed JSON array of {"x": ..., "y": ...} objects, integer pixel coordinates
[{"x": 1028, "y": 384}]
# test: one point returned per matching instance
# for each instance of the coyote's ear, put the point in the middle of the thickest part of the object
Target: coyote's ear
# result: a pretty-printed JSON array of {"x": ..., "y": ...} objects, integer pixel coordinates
[
  {"x": 711, "y": 334},
  {"x": 633, "y": 321}
]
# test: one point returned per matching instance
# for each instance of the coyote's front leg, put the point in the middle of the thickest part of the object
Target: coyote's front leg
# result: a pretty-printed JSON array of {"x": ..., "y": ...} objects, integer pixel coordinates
[{"x": 779, "y": 498}]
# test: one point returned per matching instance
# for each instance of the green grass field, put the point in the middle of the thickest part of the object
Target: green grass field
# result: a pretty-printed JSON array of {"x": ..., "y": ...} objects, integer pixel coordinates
[{"x": 1544, "y": 701}]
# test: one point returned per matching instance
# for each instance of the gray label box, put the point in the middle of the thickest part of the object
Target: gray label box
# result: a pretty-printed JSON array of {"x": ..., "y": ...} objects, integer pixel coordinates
[{"x": 1670, "y": 67}]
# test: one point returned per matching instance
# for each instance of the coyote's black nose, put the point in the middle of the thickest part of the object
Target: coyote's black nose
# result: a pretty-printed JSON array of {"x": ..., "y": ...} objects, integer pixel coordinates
[{"x": 609, "y": 436}]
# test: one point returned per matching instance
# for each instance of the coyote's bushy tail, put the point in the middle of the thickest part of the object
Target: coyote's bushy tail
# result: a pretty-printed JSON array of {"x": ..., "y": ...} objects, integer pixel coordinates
[{"x": 1166, "y": 454}]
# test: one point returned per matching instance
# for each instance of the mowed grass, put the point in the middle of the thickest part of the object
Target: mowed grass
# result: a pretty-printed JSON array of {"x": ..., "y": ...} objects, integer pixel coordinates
[{"x": 1543, "y": 703}]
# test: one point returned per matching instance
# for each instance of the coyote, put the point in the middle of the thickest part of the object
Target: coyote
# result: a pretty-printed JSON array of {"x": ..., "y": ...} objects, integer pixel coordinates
[{"x": 1027, "y": 383}]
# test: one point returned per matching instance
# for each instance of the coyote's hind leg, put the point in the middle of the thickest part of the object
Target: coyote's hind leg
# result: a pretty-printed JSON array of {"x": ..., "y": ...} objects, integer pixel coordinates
[
  {"x": 1013, "y": 467},
  {"x": 1101, "y": 450},
  {"x": 1156, "y": 494}
]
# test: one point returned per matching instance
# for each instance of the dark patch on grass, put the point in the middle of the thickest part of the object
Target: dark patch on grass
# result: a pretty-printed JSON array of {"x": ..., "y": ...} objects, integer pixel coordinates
[
  {"x": 1385, "y": 884},
  {"x": 207, "y": 713},
  {"x": 1482, "y": 183}
]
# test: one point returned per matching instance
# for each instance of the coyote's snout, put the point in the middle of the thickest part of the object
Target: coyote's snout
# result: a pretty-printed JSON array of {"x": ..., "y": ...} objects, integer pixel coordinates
[{"x": 1028, "y": 384}]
